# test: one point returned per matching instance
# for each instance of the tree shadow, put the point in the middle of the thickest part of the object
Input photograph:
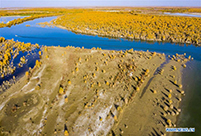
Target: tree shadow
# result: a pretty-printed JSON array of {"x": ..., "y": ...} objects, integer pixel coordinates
[
  {"x": 165, "y": 94},
  {"x": 156, "y": 133}
]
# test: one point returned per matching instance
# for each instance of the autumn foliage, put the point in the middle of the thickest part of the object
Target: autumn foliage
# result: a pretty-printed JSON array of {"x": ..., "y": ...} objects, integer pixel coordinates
[{"x": 134, "y": 26}]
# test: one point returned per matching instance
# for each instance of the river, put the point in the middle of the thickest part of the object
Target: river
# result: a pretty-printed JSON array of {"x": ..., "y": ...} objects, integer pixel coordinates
[
  {"x": 53, "y": 36},
  {"x": 183, "y": 14}
]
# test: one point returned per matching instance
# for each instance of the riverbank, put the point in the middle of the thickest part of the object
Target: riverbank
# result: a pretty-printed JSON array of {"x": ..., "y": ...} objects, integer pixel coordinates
[
  {"x": 134, "y": 26},
  {"x": 190, "y": 104},
  {"x": 92, "y": 91},
  {"x": 13, "y": 56},
  {"x": 93, "y": 33}
]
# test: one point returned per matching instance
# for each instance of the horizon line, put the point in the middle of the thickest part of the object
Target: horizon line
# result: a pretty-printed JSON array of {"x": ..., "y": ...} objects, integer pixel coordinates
[{"x": 105, "y": 6}]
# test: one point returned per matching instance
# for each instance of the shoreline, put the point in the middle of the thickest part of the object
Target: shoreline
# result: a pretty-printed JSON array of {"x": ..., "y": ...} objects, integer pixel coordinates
[
  {"x": 115, "y": 37},
  {"x": 93, "y": 28},
  {"x": 69, "y": 58},
  {"x": 189, "y": 117},
  {"x": 179, "y": 105}
]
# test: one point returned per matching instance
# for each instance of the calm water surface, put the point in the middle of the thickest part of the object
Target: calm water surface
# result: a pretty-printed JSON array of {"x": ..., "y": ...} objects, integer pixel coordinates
[
  {"x": 182, "y": 14},
  {"x": 191, "y": 114}
]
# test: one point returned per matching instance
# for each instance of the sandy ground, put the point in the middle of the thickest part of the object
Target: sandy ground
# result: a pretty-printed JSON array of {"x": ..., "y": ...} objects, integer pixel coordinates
[{"x": 104, "y": 93}]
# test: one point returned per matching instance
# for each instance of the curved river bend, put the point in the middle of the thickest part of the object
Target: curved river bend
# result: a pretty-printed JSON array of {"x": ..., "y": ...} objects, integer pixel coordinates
[{"x": 190, "y": 116}]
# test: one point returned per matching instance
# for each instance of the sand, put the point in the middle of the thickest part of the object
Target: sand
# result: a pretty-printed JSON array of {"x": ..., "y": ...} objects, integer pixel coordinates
[{"x": 104, "y": 93}]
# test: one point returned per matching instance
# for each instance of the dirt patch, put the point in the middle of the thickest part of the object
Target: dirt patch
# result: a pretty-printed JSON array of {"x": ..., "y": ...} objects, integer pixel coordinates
[
  {"x": 95, "y": 92},
  {"x": 17, "y": 108}
]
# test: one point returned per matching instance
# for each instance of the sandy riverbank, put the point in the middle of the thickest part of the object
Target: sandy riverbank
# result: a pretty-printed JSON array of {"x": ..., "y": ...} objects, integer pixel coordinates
[{"x": 91, "y": 91}]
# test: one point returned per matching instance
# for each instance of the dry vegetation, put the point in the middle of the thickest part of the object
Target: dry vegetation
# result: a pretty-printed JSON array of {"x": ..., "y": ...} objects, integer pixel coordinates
[
  {"x": 134, "y": 26},
  {"x": 133, "y": 23},
  {"x": 77, "y": 91},
  {"x": 9, "y": 50},
  {"x": 180, "y": 10},
  {"x": 74, "y": 91},
  {"x": 32, "y": 14}
]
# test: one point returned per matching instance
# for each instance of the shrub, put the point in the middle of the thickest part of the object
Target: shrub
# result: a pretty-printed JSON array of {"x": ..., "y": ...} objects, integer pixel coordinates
[
  {"x": 184, "y": 65},
  {"x": 37, "y": 87},
  {"x": 79, "y": 59},
  {"x": 94, "y": 75},
  {"x": 45, "y": 49},
  {"x": 40, "y": 53},
  {"x": 169, "y": 122},
  {"x": 154, "y": 54},
  {"x": 171, "y": 106},
  {"x": 66, "y": 133},
  {"x": 170, "y": 101},
  {"x": 66, "y": 99},
  {"x": 38, "y": 63},
  {"x": 69, "y": 82},
  {"x": 174, "y": 68},
  {"x": 99, "y": 84},
  {"x": 182, "y": 92},
  {"x": 161, "y": 71},
  {"x": 103, "y": 71},
  {"x": 73, "y": 72},
  {"x": 115, "y": 117},
  {"x": 27, "y": 73},
  {"x": 137, "y": 89},
  {"x": 61, "y": 90},
  {"x": 165, "y": 108},
  {"x": 169, "y": 95}
]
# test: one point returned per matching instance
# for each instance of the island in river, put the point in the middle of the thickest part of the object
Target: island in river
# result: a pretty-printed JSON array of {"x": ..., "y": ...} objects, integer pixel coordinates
[{"x": 77, "y": 91}]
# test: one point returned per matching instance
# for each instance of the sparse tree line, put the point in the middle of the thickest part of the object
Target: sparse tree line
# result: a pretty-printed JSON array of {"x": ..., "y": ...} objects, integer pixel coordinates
[
  {"x": 22, "y": 20},
  {"x": 32, "y": 14}
]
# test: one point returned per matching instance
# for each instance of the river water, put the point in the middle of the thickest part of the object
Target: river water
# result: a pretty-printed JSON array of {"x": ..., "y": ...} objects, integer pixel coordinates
[
  {"x": 183, "y": 14},
  {"x": 191, "y": 114}
]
